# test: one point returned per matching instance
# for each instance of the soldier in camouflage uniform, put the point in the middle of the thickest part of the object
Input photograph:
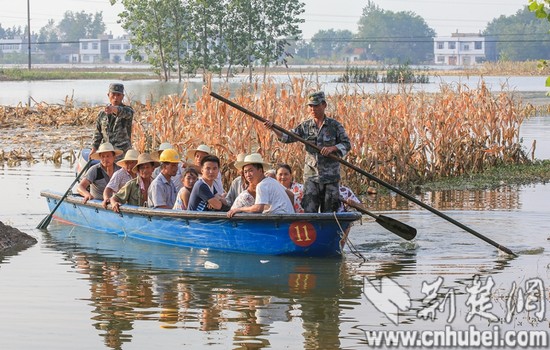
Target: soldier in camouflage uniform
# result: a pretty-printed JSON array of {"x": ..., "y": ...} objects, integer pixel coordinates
[
  {"x": 321, "y": 174},
  {"x": 114, "y": 124}
]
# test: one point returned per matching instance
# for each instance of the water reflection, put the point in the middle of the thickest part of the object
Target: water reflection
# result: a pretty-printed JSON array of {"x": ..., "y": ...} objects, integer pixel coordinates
[
  {"x": 247, "y": 296},
  {"x": 501, "y": 198}
]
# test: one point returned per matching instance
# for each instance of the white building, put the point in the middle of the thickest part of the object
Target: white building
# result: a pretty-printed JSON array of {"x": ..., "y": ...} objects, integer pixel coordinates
[
  {"x": 460, "y": 49},
  {"x": 118, "y": 50},
  {"x": 11, "y": 45},
  {"x": 104, "y": 50},
  {"x": 90, "y": 51}
]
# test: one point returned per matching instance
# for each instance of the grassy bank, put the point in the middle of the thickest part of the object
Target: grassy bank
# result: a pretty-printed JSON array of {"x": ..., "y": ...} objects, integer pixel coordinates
[
  {"x": 18, "y": 74},
  {"x": 491, "y": 178},
  {"x": 528, "y": 68}
]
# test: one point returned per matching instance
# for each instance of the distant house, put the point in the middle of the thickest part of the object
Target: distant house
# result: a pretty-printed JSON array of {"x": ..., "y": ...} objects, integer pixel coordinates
[
  {"x": 105, "y": 49},
  {"x": 14, "y": 45},
  {"x": 118, "y": 50},
  {"x": 354, "y": 54},
  {"x": 94, "y": 50},
  {"x": 460, "y": 49}
]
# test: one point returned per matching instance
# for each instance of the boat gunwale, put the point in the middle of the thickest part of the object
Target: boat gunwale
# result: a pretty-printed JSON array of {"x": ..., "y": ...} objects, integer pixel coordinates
[{"x": 185, "y": 214}]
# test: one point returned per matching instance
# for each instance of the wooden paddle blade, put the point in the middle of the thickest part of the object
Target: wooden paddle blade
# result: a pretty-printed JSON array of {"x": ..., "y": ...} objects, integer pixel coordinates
[
  {"x": 44, "y": 223},
  {"x": 402, "y": 230}
]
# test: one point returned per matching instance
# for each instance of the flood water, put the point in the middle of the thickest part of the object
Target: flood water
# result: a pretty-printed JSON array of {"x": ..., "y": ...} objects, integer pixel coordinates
[{"x": 80, "y": 289}]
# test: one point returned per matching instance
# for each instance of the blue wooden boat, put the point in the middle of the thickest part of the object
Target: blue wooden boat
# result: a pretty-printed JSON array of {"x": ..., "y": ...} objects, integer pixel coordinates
[{"x": 317, "y": 235}]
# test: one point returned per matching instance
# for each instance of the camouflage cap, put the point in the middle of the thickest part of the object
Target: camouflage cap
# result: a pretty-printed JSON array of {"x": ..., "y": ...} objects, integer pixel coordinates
[
  {"x": 316, "y": 98},
  {"x": 116, "y": 87}
]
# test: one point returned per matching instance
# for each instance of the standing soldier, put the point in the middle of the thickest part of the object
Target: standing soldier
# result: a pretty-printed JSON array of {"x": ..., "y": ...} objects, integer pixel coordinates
[
  {"x": 321, "y": 173},
  {"x": 114, "y": 123}
]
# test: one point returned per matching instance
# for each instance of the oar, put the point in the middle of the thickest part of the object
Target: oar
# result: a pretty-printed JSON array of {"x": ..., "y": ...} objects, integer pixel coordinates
[
  {"x": 370, "y": 176},
  {"x": 399, "y": 228},
  {"x": 46, "y": 221}
]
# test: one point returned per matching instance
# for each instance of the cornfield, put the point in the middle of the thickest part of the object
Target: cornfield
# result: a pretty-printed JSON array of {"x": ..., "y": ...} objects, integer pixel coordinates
[{"x": 403, "y": 138}]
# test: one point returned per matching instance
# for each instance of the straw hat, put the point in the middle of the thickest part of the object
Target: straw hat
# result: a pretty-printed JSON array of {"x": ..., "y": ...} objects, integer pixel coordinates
[
  {"x": 162, "y": 147},
  {"x": 201, "y": 148},
  {"x": 131, "y": 155},
  {"x": 145, "y": 158},
  {"x": 240, "y": 158},
  {"x": 103, "y": 148},
  {"x": 254, "y": 158}
]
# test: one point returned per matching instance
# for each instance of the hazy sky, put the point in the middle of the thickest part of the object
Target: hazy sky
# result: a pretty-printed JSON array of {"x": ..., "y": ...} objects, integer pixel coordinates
[{"x": 444, "y": 16}]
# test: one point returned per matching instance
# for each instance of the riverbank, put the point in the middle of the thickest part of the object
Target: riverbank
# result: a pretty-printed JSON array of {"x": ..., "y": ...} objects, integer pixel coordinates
[{"x": 144, "y": 71}]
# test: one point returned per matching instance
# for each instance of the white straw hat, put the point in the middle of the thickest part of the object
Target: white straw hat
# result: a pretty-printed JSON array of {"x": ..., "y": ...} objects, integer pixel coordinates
[
  {"x": 105, "y": 147},
  {"x": 201, "y": 148},
  {"x": 131, "y": 155},
  {"x": 143, "y": 159},
  {"x": 254, "y": 158},
  {"x": 238, "y": 162}
]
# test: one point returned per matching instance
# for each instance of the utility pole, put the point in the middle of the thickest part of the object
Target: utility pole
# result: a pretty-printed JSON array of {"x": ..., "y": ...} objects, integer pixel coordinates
[{"x": 29, "y": 29}]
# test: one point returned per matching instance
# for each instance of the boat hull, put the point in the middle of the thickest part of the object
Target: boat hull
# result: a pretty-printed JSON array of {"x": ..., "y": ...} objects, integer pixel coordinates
[{"x": 293, "y": 235}]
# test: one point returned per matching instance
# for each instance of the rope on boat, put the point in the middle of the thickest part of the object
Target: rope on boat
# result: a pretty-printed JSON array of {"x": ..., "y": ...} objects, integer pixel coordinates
[{"x": 347, "y": 241}]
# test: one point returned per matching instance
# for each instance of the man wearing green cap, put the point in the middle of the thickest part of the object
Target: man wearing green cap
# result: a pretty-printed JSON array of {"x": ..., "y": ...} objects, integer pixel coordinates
[
  {"x": 321, "y": 173},
  {"x": 114, "y": 123}
]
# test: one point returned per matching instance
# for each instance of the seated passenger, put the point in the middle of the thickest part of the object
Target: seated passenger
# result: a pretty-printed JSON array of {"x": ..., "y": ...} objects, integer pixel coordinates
[
  {"x": 271, "y": 196},
  {"x": 271, "y": 173},
  {"x": 239, "y": 184},
  {"x": 176, "y": 179},
  {"x": 134, "y": 192},
  {"x": 284, "y": 176},
  {"x": 162, "y": 192},
  {"x": 189, "y": 178},
  {"x": 347, "y": 195},
  {"x": 205, "y": 196},
  {"x": 196, "y": 156},
  {"x": 246, "y": 198},
  {"x": 121, "y": 176},
  {"x": 98, "y": 176}
]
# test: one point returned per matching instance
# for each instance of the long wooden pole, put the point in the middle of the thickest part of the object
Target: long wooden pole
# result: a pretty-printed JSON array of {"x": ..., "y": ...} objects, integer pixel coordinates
[{"x": 370, "y": 176}]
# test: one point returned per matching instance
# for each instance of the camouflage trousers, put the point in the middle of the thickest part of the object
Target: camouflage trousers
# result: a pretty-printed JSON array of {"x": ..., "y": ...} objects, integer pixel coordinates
[{"x": 321, "y": 197}]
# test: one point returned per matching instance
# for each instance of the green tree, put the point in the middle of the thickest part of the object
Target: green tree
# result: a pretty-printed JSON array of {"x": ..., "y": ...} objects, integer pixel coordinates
[
  {"x": 331, "y": 43},
  {"x": 279, "y": 22},
  {"x": 48, "y": 39},
  {"x": 235, "y": 34},
  {"x": 81, "y": 25},
  {"x": 151, "y": 32},
  {"x": 395, "y": 37},
  {"x": 207, "y": 18},
  {"x": 519, "y": 37}
]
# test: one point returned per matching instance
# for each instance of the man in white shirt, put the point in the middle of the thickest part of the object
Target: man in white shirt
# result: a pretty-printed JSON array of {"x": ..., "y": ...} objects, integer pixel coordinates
[{"x": 271, "y": 196}]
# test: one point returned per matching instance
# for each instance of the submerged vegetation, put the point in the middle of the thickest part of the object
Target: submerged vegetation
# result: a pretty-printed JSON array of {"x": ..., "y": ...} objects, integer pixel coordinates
[
  {"x": 406, "y": 139},
  {"x": 505, "y": 175},
  {"x": 402, "y": 74}
]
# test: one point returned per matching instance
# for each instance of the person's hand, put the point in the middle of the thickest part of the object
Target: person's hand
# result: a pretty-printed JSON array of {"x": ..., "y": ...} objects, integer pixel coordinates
[
  {"x": 116, "y": 207},
  {"x": 110, "y": 109},
  {"x": 268, "y": 124},
  {"x": 105, "y": 202},
  {"x": 232, "y": 212},
  {"x": 87, "y": 197},
  {"x": 328, "y": 150}
]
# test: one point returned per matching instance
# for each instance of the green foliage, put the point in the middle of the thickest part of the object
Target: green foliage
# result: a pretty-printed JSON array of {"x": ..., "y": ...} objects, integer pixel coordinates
[
  {"x": 538, "y": 7},
  {"x": 402, "y": 74},
  {"x": 331, "y": 43},
  {"x": 81, "y": 25},
  {"x": 210, "y": 34},
  {"x": 397, "y": 37},
  {"x": 520, "y": 37}
]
